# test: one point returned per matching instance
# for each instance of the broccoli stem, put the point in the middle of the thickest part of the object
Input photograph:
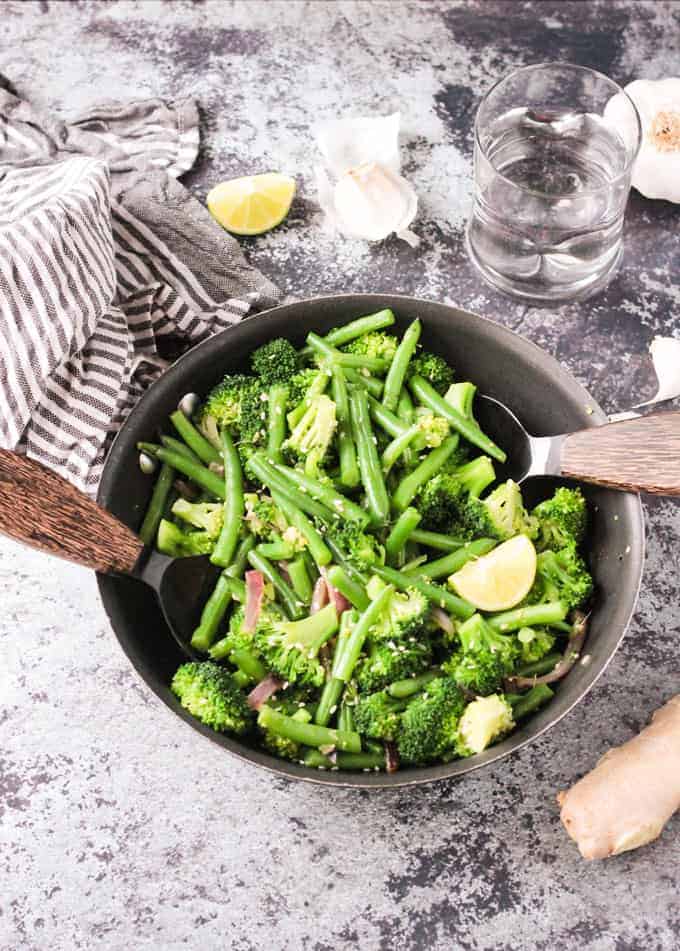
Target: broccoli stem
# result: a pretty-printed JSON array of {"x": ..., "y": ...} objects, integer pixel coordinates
[
  {"x": 276, "y": 421},
  {"x": 270, "y": 476},
  {"x": 198, "y": 444},
  {"x": 399, "y": 366},
  {"x": 369, "y": 462},
  {"x": 176, "y": 445},
  {"x": 336, "y": 503},
  {"x": 234, "y": 506},
  {"x": 347, "y": 453},
  {"x": 539, "y": 667},
  {"x": 460, "y": 396},
  {"x": 355, "y": 641},
  {"x": 437, "y": 540},
  {"x": 198, "y": 473},
  {"x": 348, "y": 587},
  {"x": 293, "y": 607},
  {"x": 248, "y": 664},
  {"x": 429, "y": 397},
  {"x": 240, "y": 679},
  {"x": 370, "y": 383},
  {"x": 276, "y": 550},
  {"x": 434, "y": 592},
  {"x": 431, "y": 464},
  {"x": 524, "y": 704},
  {"x": 533, "y": 615},
  {"x": 308, "y": 734},
  {"x": 318, "y": 549},
  {"x": 299, "y": 579},
  {"x": 401, "y": 532},
  {"x": 159, "y": 497},
  {"x": 401, "y": 689},
  {"x": 450, "y": 563},
  {"x": 348, "y": 761},
  {"x": 392, "y": 425},
  {"x": 345, "y": 718}
]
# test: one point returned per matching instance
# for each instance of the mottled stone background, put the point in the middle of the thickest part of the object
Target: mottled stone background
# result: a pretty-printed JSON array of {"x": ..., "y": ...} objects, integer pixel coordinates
[{"x": 120, "y": 827}]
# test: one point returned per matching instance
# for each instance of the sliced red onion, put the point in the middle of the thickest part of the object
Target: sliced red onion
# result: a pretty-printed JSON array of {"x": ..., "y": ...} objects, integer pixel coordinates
[
  {"x": 442, "y": 620},
  {"x": 391, "y": 756},
  {"x": 254, "y": 598},
  {"x": 563, "y": 666},
  {"x": 266, "y": 688},
  {"x": 319, "y": 595}
]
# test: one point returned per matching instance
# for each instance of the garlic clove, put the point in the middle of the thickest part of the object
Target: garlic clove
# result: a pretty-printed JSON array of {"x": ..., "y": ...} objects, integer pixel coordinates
[
  {"x": 346, "y": 143},
  {"x": 372, "y": 201},
  {"x": 656, "y": 173}
]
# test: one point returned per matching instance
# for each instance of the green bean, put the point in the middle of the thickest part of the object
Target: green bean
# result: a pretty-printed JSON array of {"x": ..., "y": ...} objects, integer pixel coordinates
[
  {"x": 293, "y": 607},
  {"x": 369, "y": 462},
  {"x": 318, "y": 549},
  {"x": 455, "y": 560},
  {"x": 529, "y": 702},
  {"x": 336, "y": 503},
  {"x": 251, "y": 665},
  {"x": 238, "y": 566},
  {"x": 265, "y": 472},
  {"x": 234, "y": 506},
  {"x": 198, "y": 473},
  {"x": 370, "y": 383},
  {"x": 351, "y": 589},
  {"x": 429, "y": 397},
  {"x": 347, "y": 761},
  {"x": 349, "y": 470},
  {"x": 318, "y": 386},
  {"x": 401, "y": 689},
  {"x": 434, "y": 592},
  {"x": 156, "y": 507},
  {"x": 241, "y": 680},
  {"x": 345, "y": 717},
  {"x": 355, "y": 641},
  {"x": 309, "y": 734},
  {"x": 539, "y": 667},
  {"x": 226, "y": 590},
  {"x": 276, "y": 549},
  {"x": 400, "y": 533},
  {"x": 413, "y": 481},
  {"x": 352, "y": 360},
  {"x": 357, "y": 328},
  {"x": 340, "y": 558},
  {"x": 276, "y": 422},
  {"x": 437, "y": 540},
  {"x": 399, "y": 366},
  {"x": 196, "y": 441},
  {"x": 398, "y": 447},
  {"x": 530, "y": 616},
  {"x": 332, "y": 691},
  {"x": 299, "y": 579},
  {"x": 392, "y": 425},
  {"x": 176, "y": 445}
]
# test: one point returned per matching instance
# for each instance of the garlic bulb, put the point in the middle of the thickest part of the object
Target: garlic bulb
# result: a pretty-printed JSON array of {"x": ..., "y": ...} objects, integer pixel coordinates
[
  {"x": 372, "y": 201},
  {"x": 656, "y": 173}
]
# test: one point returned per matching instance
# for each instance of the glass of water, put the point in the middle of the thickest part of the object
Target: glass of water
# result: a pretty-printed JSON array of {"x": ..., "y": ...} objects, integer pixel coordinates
[{"x": 552, "y": 175}]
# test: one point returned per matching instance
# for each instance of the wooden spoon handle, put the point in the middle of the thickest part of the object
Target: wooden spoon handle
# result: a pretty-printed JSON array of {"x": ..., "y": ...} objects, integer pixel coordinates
[
  {"x": 640, "y": 455},
  {"x": 40, "y": 509}
]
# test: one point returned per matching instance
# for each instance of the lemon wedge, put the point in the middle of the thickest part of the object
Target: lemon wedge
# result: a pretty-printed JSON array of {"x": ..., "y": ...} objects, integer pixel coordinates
[
  {"x": 499, "y": 580},
  {"x": 252, "y": 205}
]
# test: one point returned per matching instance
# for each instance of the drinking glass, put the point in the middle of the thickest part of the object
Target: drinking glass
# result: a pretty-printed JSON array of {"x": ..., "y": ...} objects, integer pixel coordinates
[{"x": 552, "y": 174}]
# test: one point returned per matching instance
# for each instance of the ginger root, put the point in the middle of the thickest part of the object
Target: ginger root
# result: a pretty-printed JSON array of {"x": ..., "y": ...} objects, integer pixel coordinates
[{"x": 632, "y": 792}]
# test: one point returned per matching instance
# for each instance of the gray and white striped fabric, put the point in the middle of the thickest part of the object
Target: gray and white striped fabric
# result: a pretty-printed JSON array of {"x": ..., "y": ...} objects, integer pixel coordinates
[{"x": 106, "y": 264}]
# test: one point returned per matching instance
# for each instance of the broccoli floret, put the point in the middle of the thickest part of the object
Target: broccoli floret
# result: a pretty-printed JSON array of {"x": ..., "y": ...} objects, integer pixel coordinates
[
  {"x": 376, "y": 343},
  {"x": 429, "y": 725},
  {"x": 500, "y": 515},
  {"x": 447, "y": 502},
  {"x": 460, "y": 396},
  {"x": 262, "y": 516},
  {"x": 432, "y": 430},
  {"x": 290, "y": 648},
  {"x": 535, "y": 643},
  {"x": 292, "y": 702},
  {"x": 360, "y": 548},
  {"x": 300, "y": 385},
  {"x": 224, "y": 403},
  {"x": 310, "y": 439},
  {"x": 432, "y": 368},
  {"x": 210, "y": 694},
  {"x": 378, "y": 715},
  {"x": 206, "y": 515},
  {"x": 561, "y": 576},
  {"x": 484, "y": 721},
  {"x": 171, "y": 540},
  {"x": 405, "y": 614},
  {"x": 275, "y": 362},
  {"x": 484, "y": 659},
  {"x": 562, "y": 519},
  {"x": 389, "y": 661}
]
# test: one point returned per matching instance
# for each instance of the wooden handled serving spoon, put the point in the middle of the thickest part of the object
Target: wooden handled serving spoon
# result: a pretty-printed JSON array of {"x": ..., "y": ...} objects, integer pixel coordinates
[
  {"x": 634, "y": 455},
  {"x": 43, "y": 510}
]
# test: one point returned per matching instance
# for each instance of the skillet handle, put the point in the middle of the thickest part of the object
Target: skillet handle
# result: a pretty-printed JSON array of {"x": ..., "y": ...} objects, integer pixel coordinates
[
  {"x": 638, "y": 455},
  {"x": 40, "y": 509}
]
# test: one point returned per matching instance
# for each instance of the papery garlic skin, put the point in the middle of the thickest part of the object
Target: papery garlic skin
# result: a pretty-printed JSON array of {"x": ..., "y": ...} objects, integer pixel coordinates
[
  {"x": 372, "y": 201},
  {"x": 656, "y": 173},
  {"x": 665, "y": 353}
]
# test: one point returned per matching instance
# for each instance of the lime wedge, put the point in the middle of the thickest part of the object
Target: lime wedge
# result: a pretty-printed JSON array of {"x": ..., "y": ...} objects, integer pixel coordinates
[
  {"x": 499, "y": 580},
  {"x": 252, "y": 205}
]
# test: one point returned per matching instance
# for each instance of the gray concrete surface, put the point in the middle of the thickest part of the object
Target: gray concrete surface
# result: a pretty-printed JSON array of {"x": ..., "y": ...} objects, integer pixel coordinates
[{"x": 120, "y": 828}]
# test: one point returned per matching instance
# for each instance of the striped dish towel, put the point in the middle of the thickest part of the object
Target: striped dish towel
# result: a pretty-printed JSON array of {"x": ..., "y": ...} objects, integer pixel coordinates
[{"x": 107, "y": 267}]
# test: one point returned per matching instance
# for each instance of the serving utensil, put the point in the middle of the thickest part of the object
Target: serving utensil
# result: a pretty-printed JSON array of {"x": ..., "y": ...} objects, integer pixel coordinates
[
  {"x": 41, "y": 509},
  {"x": 633, "y": 455}
]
